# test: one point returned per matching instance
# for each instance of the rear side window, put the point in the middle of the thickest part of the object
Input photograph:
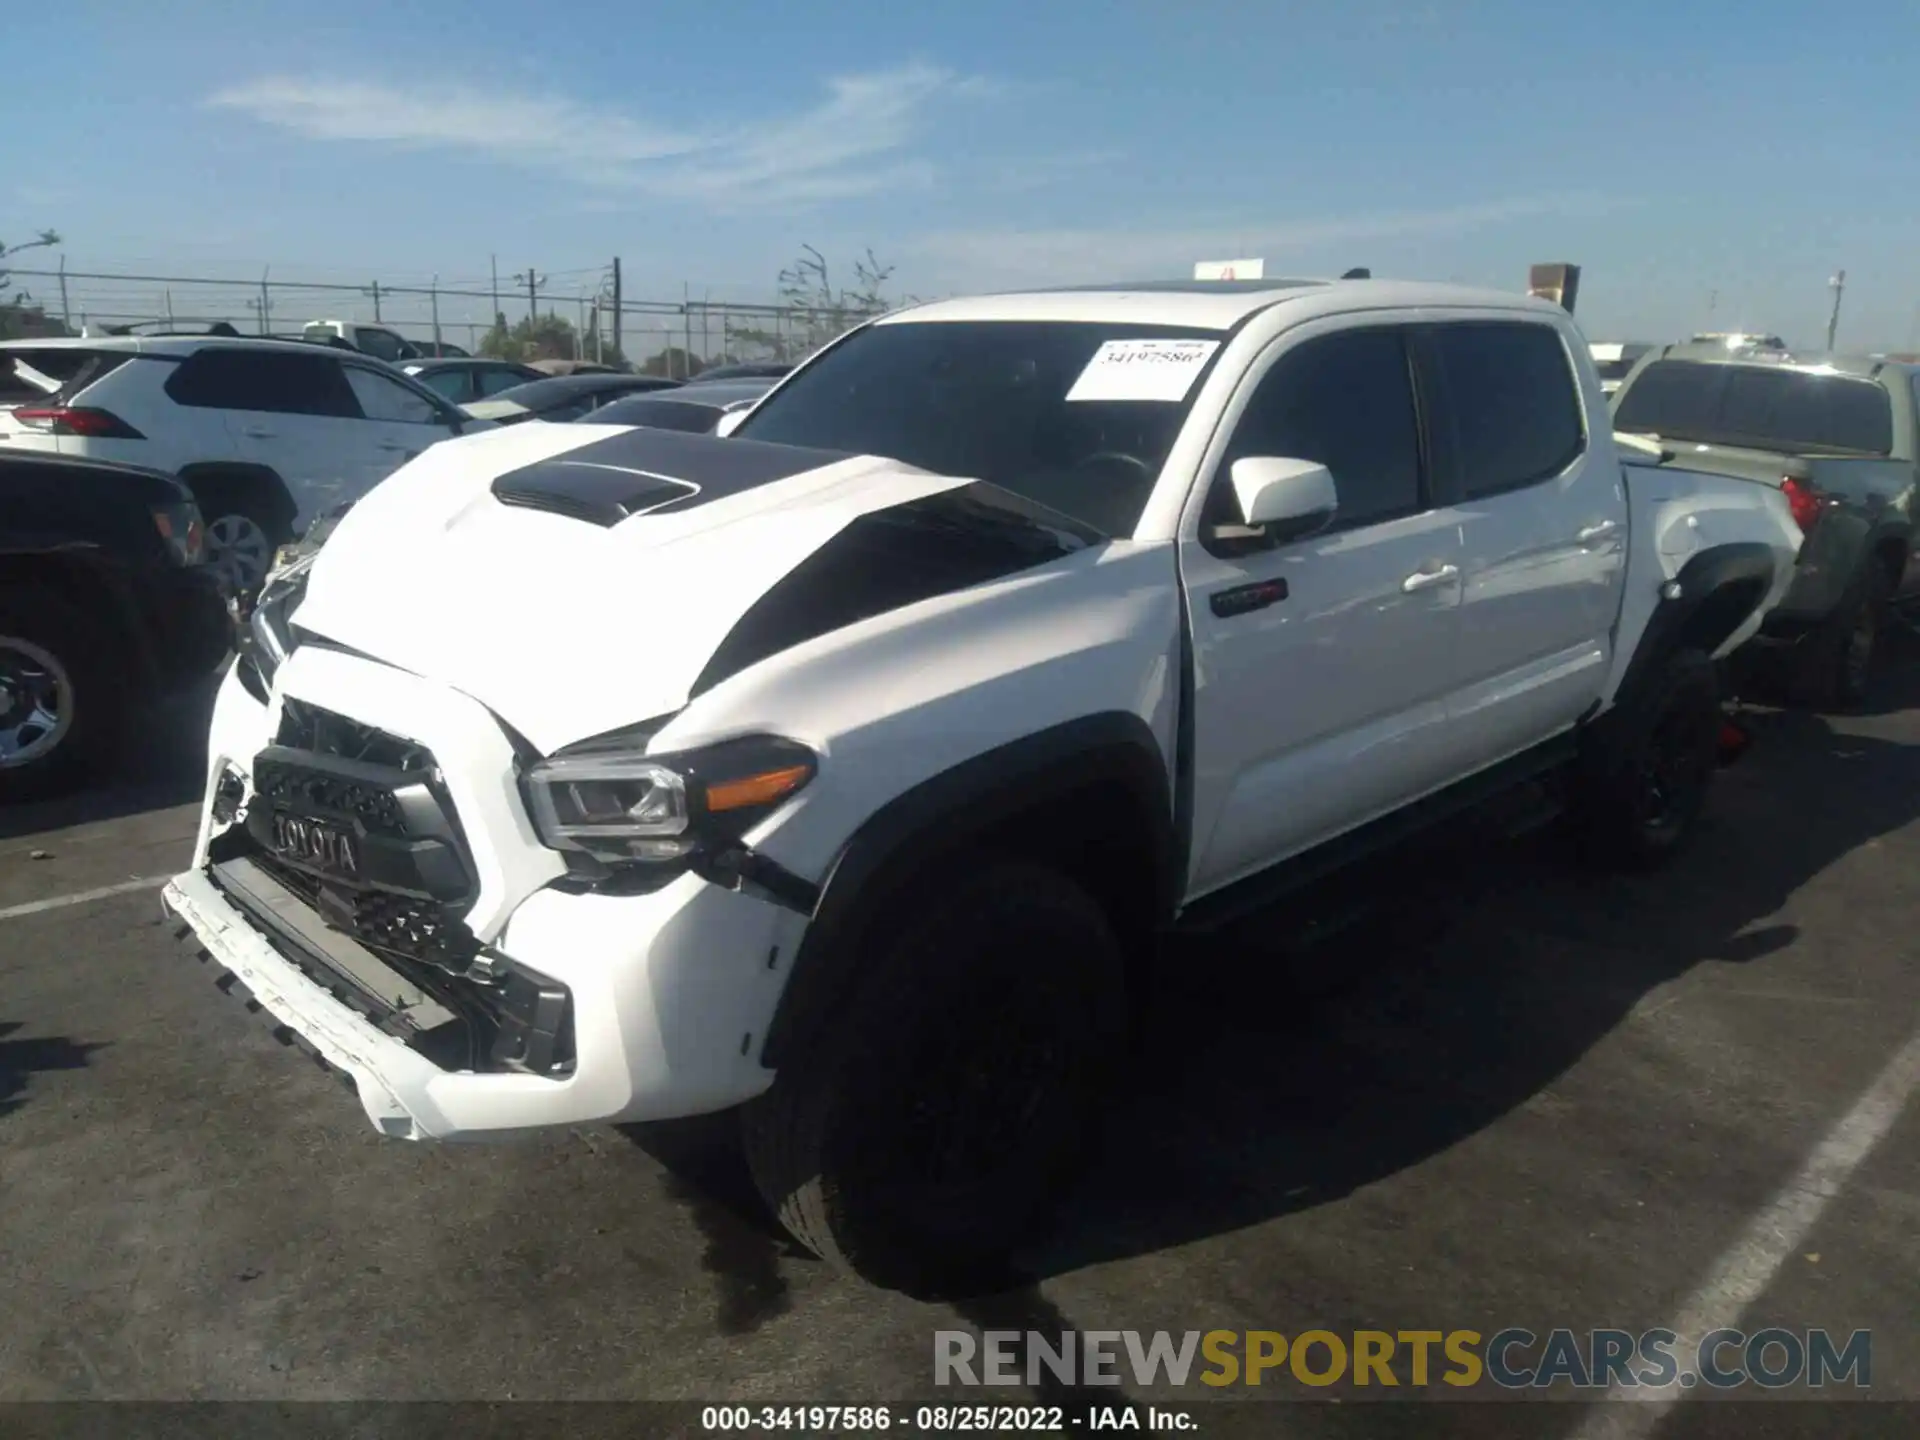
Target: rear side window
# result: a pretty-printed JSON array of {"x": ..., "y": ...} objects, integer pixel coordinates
[
  {"x": 287, "y": 384},
  {"x": 26, "y": 373},
  {"x": 1507, "y": 399},
  {"x": 1785, "y": 411},
  {"x": 1345, "y": 400},
  {"x": 454, "y": 385},
  {"x": 492, "y": 382}
]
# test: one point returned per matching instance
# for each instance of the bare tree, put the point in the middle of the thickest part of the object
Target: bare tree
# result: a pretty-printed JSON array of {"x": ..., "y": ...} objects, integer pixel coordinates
[{"x": 816, "y": 309}]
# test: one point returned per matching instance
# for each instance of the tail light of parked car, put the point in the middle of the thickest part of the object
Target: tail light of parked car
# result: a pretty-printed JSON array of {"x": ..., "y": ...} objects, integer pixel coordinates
[
  {"x": 81, "y": 420},
  {"x": 180, "y": 527},
  {"x": 1807, "y": 503}
]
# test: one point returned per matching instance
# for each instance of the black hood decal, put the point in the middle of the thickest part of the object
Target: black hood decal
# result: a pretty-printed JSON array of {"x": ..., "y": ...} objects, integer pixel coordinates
[
  {"x": 890, "y": 559},
  {"x": 644, "y": 472}
]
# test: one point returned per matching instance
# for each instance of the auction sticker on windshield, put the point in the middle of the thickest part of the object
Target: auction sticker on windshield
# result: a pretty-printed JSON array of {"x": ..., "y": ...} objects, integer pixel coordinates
[{"x": 1143, "y": 370}]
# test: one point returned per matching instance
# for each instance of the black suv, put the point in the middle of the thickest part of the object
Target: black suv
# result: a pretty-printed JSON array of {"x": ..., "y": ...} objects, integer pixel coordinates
[{"x": 104, "y": 606}]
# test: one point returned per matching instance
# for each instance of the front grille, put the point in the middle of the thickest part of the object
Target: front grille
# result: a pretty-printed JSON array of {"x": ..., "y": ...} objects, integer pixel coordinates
[
  {"x": 374, "y": 806},
  {"x": 406, "y": 901},
  {"x": 306, "y": 726}
]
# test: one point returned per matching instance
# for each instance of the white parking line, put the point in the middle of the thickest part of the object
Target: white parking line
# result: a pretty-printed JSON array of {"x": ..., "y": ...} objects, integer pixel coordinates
[
  {"x": 34, "y": 907},
  {"x": 1745, "y": 1270}
]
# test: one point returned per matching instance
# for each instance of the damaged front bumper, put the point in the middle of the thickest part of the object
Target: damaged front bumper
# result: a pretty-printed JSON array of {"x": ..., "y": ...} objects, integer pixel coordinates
[{"x": 561, "y": 1006}]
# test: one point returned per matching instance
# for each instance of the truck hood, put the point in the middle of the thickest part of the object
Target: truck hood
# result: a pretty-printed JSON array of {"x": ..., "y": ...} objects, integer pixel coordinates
[{"x": 576, "y": 579}]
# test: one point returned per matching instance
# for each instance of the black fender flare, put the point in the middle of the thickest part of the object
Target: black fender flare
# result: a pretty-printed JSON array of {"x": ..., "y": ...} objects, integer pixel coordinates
[
  {"x": 931, "y": 824},
  {"x": 92, "y": 581},
  {"x": 1684, "y": 602}
]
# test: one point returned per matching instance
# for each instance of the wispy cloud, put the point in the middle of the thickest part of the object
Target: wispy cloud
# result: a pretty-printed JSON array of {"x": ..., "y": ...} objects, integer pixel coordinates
[
  {"x": 860, "y": 139},
  {"x": 1011, "y": 255}
]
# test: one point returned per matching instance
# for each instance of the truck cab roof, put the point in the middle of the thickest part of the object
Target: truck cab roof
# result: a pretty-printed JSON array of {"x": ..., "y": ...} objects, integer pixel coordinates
[{"x": 1216, "y": 304}]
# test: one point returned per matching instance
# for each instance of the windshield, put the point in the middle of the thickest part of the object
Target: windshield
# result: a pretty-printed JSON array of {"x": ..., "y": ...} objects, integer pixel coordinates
[
  {"x": 1067, "y": 414},
  {"x": 1789, "y": 412}
]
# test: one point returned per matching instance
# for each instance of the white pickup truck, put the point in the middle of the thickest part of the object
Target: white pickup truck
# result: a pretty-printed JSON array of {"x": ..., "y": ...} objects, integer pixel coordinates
[{"x": 841, "y": 772}]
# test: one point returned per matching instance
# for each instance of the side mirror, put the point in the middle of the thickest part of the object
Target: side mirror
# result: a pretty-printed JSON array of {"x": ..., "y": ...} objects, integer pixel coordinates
[
  {"x": 1288, "y": 499},
  {"x": 729, "y": 422}
]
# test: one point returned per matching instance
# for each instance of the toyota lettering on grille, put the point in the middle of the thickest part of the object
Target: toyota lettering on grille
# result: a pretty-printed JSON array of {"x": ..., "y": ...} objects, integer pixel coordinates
[{"x": 316, "y": 843}]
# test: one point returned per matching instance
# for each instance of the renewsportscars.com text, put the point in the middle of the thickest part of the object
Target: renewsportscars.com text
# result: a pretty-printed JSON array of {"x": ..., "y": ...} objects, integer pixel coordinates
[{"x": 1512, "y": 1359}]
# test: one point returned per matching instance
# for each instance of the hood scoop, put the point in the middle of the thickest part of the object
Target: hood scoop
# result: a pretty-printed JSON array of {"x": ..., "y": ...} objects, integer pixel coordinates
[{"x": 642, "y": 472}]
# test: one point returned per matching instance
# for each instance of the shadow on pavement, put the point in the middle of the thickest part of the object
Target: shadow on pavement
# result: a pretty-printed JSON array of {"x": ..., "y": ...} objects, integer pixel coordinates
[
  {"x": 1275, "y": 1077},
  {"x": 163, "y": 764},
  {"x": 1275, "y": 1080},
  {"x": 21, "y": 1060}
]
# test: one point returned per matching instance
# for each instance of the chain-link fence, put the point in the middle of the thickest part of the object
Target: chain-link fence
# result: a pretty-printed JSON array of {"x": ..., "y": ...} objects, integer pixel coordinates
[{"x": 571, "y": 316}]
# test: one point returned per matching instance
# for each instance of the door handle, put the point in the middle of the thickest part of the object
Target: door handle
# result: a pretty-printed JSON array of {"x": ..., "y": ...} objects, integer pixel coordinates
[
  {"x": 1427, "y": 579},
  {"x": 1596, "y": 532},
  {"x": 403, "y": 449},
  {"x": 1242, "y": 599},
  {"x": 254, "y": 432}
]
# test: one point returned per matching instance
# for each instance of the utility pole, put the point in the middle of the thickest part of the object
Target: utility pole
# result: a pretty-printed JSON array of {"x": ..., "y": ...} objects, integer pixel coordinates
[
  {"x": 493, "y": 264},
  {"x": 433, "y": 294},
  {"x": 533, "y": 282},
  {"x": 1839, "y": 284},
  {"x": 168, "y": 296},
  {"x": 616, "y": 306},
  {"x": 580, "y": 335},
  {"x": 266, "y": 300},
  {"x": 375, "y": 292},
  {"x": 66, "y": 320},
  {"x": 1713, "y": 303}
]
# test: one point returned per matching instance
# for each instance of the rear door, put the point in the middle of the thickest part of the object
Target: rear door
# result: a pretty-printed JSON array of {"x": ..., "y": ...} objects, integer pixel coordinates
[
  {"x": 1321, "y": 666},
  {"x": 291, "y": 412},
  {"x": 1542, "y": 524}
]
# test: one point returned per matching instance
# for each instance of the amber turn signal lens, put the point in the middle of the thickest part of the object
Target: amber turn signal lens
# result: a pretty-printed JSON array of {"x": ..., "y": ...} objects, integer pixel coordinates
[{"x": 762, "y": 789}]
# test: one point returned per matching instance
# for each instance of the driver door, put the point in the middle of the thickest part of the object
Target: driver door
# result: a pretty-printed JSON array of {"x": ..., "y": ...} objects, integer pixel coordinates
[{"x": 1321, "y": 666}]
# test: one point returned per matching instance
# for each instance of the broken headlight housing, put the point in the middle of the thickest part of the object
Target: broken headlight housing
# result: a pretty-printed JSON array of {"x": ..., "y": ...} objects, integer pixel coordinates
[
  {"x": 612, "y": 801},
  {"x": 268, "y": 637}
]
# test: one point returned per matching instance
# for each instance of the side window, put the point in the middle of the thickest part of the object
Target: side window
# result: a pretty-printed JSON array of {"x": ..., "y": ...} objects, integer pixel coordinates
[
  {"x": 492, "y": 382},
  {"x": 452, "y": 384},
  {"x": 1508, "y": 398},
  {"x": 384, "y": 399},
  {"x": 381, "y": 344},
  {"x": 1345, "y": 400},
  {"x": 221, "y": 379}
]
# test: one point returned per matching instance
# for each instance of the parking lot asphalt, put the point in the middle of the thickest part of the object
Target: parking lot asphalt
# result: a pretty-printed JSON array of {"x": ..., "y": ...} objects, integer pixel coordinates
[{"x": 1519, "y": 1095}]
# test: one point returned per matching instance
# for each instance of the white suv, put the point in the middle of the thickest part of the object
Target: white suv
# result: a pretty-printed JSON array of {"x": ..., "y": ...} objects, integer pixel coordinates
[{"x": 268, "y": 434}]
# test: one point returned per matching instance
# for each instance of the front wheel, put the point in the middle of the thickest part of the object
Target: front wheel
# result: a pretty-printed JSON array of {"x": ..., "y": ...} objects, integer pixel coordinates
[
  {"x": 59, "y": 710},
  {"x": 941, "y": 1115},
  {"x": 1644, "y": 774}
]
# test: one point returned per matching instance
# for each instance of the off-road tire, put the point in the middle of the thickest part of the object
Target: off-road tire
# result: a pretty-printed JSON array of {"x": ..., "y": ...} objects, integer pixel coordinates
[
  {"x": 1644, "y": 773},
  {"x": 1835, "y": 665},
  {"x": 85, "y": 652},
  {"x": 1012, "y": 961}
]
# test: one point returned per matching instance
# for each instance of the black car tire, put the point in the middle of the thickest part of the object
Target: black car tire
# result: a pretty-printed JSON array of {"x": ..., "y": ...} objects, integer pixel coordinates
[
  {"x": 932, "y": 1129},
  {"x": 1645, "y": 771},
  {"x": 1837, "y": 662},
  {"x": 92, "y": 681}
]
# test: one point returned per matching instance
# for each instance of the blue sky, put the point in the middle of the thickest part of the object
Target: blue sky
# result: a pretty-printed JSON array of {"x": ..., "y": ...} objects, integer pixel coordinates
[{"x": 1674, "y": 150}]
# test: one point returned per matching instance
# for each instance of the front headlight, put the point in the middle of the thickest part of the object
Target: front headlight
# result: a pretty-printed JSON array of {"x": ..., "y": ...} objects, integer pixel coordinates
[
  {"x": 623, "y": 805},
  {"x": 269, "y": 636}
]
